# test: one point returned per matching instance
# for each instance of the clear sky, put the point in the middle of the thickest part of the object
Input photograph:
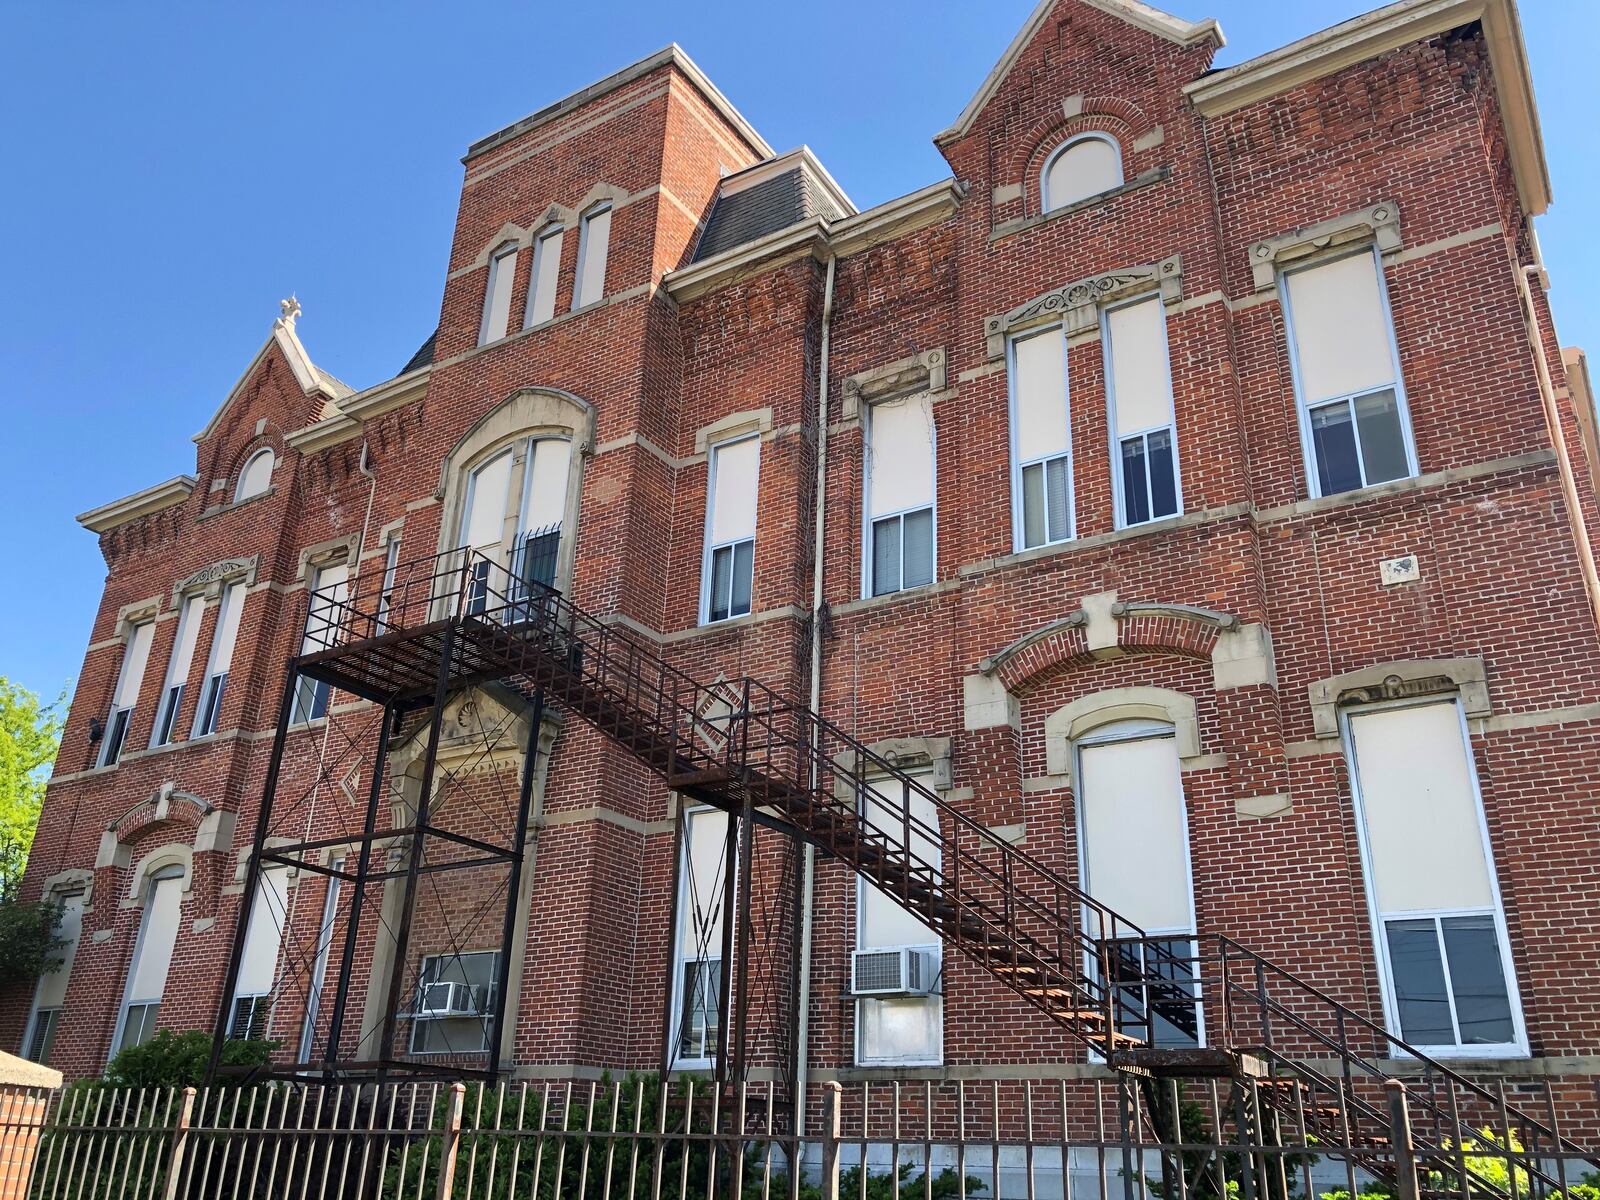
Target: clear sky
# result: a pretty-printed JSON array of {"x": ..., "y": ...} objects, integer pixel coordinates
[{"x": 172, "y": 170}]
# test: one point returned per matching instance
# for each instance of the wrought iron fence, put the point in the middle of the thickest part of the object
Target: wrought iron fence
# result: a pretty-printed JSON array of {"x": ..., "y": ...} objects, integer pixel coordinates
[{"x": 633, "y": 1139}]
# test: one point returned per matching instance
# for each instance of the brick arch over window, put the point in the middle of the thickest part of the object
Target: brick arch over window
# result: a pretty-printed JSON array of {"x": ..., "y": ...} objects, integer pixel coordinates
[
  {"x": 1122, "y": 120},
  {"x": 1139, "y": 629}
]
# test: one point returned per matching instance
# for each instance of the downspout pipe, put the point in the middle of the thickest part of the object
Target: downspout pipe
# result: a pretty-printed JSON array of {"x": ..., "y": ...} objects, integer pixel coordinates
[{"x": 809, "y": 865}]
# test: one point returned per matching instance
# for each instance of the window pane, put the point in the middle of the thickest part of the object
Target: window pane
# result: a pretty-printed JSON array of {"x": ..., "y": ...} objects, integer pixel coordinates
[
  {"x": 497, "y": 297},
  {"x": 900, "y": 442},
  {"x": 721, "y": 572},
  {"x": 1163, "y": 474},
  {"x": 1383, "y": 447},
  {"x": 900, "y": 1029},
  {"x": 1341, "y": 334},
  {"x": 886, "y": 556},
  {"x": 1333, "y": 441},
  {"x": 1137, "y": 358},
  {"x": 1058, "y": 487},
  {"x": 918, "y": 548},
  {"x": 118, "y": 733},
  {"x": 1086, "y": 168},
  {"x": 1040, "y": 392},
  {"x": 593, "y": 245},
  {"x": 1033, "y": 505},
  {"x": 546, "y": 266},
  {"x": 702, "y": 1002},
  {"x": 733, "y": 496},
  {"x": 743, "y": 570},
  {"x": 1419, "y": 983},
  {"x": 1135, "y": 497},
  {"x": 1477, "y": 980}
]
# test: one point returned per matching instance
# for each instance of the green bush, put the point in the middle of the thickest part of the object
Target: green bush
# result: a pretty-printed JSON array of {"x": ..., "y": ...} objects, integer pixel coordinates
[
  {"x": 179, "y": 1060},
  {"x": 28, "y": 940}
]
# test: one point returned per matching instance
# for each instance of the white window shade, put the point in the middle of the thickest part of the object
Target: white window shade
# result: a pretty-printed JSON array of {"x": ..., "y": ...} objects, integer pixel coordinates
[
  {"x": 227, "y": 633},
  {"x": 733, "y": 500},
  {"x": 188, "y": 635},
  {"x": 1040, "y": 391},
  {"x": 901, "y": 1029},
  {"x": 497, "y": 296},
  {"x": 593, "y": 246},
  {"x": 704, "y": 903},
  {"x": 901, "y": 446},
  {"x": 1084, "y": 168},
  {"x": 546, "y": 274},
  {"x": 545, "y": 485},
  {"x": 133, "y": 664},
  {"x": 883, "y": 921},
  {"x": 52, "y": 992},
  {"x": 486, "y": 507},
  {"x": 256, "y": 476},
  {"x": 258, "y": 968},
  {"x": 328, "y": 594},
  {"x": 157, "y": 935},
  {"x": 1341, "y": 333},
  {"x": 1139, "y": 380},
  {"x": 1424, "y": 841},
  {"x": 1136, "y": 854}
]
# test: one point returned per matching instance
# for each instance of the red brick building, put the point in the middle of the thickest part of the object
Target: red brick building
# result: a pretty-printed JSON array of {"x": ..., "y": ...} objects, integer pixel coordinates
[{"x": 1190, "y": 489}]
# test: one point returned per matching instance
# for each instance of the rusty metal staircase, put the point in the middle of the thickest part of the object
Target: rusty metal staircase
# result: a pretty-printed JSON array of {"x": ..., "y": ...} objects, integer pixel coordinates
[{"x": 1151, "y": 1008}]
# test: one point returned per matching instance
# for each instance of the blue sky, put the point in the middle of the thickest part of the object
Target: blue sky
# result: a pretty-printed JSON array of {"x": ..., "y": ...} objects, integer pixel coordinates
[{"x": 173, "y": 170}]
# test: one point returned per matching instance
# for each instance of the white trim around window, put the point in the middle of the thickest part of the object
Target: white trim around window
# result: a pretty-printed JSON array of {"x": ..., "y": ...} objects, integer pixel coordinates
[
  {"x": 497, "y": 289},
  {"x": 1351, "y": 403},
  {"x": 159, "y": 924},
  {"x": 1043, "y": 511},
  {"x": 594, "y": 247},
  {"x": 901, "y": 495},
  {"x": 1071, "y": 194},
  {"x": 702, "y": 907},
  {"x": 130, "y": 679},
  {"x": 190, "y": 617},
  {"x": 727, "y": 562},
  {"x": 1146, "y": 479}
]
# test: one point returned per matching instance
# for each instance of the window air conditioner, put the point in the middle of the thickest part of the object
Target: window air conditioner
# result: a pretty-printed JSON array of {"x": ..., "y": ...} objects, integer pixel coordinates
[
  {"x": 452, "y": 1000},
  {"x": 901, "y": 971}
]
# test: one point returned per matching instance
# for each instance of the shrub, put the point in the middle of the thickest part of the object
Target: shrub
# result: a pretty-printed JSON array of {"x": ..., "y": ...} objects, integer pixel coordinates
[
  {"x": 179, "y": 1060},
  {"x": 28, "y": 940}
]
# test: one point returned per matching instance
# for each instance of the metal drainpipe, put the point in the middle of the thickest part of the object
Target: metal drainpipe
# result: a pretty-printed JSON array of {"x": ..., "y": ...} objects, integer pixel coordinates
[{"x": 803, "y": 1032}]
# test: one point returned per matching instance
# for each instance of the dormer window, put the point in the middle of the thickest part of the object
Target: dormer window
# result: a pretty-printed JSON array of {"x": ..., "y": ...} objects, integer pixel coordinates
[
  {"x": 1081, "y": 167},
  {"x": 497, "y": 294},
  {"x": 256, "y": 477},
  {"x": 594, "y": 241}
]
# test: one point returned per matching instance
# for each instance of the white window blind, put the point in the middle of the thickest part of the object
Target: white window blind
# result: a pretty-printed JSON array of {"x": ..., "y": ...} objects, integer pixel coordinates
[
  {"x": 545, "y": 483},
  {"x": 134, "y": 661},
  {"x": 1421, "y": 812},
  {"x": 189, "y": 620},
  {"x": 1341, "y": 335},
  {"x": 158, "y": 933},
  {"x": 328, "y": 594},
  {"x": 594, "y": 242},
  {"x": 258, "y": 968},
  {"x": 497, "y": 295},
  {"x": 704, "y": 903},
  {"x": 1136, "y": 854},
  {"x": 1085, "y": 168},
  {"x": 1041, "y": 395},
  {"x": 883, "y": 921},
  {"x": 546, "y": 275},
  {"x": 733, "y": 501},
  {"x": 52, "y": 990},
  {"x": 485, "y": 521},
  {"x": 902, "y": 455},
  {"x": 256, "y": 476},
  {"x": 227, "y": 628},
  {"x": 1138, "y": 353}
]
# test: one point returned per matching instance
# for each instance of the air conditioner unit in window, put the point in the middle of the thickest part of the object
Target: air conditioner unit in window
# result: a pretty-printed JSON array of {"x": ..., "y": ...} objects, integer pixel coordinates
[
  {"x": 452, "y": 1000},
  {"x": 901, "y": 971}
]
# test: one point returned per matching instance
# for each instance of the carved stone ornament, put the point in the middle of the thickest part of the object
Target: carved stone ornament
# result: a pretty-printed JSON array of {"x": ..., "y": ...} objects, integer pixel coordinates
[
  {"x": 1378, "y": 225},
  {"x": 924, "y": 372},
  {"x": 1077, "y": 305},
  {"x": 212, "y": 577}
]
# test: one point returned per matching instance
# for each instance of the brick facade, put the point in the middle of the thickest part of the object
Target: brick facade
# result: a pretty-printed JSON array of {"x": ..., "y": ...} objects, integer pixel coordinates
[{"x": 676, "y": 345}]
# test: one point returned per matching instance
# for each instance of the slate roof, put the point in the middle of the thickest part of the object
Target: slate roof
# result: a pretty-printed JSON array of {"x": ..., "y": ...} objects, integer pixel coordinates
[
  {"x": 766, "y": 207},
  {"x": 423, "y": 357}
]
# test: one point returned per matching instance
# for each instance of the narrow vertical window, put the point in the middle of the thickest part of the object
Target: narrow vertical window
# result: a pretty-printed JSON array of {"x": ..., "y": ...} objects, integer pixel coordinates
[
  {"x": 51, "y": 994},
  {"x": 152, "y": 957},
  {"x": 391, "y": 567},
  {"x": 189, "y": 618},
  {"x": 455, "y": 999},
  {"x": 256, "y": 477},
  {"x": 483, "y": 525},
  {"x": 1041, "y": 439},
  {"x": 497, "y": 294},
  {"x": 1353, "y": 417},
  {"x": 702, "y": 908},
  {"x": 594, "y": 242},
  {"x": 258, "y": 968},
  {"x": 329, "y": 589},
  {"x": 319, "y": 966},
  {"x": 546, "y": 273},
  {"x": 729, "y": 564},
  {"x": 1144, "y": 436},
  {"x": 1130, "y": 794},
  {"x": 221, "y": 658},
  {"x": 542, "y": 508},
  {"x": 1440, "y": 928},
  {"x": 129, "y": 680},
  {"x": 900, "y": 494}
]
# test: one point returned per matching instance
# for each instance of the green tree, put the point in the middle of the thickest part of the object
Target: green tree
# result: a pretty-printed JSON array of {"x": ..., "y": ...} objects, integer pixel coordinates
[{"x": 30, "y": 735}]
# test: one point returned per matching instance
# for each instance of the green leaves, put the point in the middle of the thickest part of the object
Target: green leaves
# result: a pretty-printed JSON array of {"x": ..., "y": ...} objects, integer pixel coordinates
[{"x": 30, "y": 734}]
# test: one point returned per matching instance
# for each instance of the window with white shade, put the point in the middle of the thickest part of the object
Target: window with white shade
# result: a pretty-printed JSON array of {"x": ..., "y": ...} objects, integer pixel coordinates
[
  {"x": 152, "y": 958},
  {"x": 1144, "y": 436},
  {"x": 391, "y": 569},
  {"x": 697, "y": 956},
  {"x": 1133, "y": 838},
  {"x": 546, "y": 274},
  {"x": 497, "y": 294},
  {"x": 1431, "y": 881},
  {"x": 256, "y": 477},
  {"x": 454, "y": 1004},
  {"x": 319, "y": 965},
  {"x": 1084, "y": 166},
  {"x": 1041, "y": 439},
  {"x": 729, "y": 567},
  {"x": 220, "y": 660},
  {"x": 189, "y": 619},
  {"x": 330, "y": 586},
  {"x": 1354, "y": 423},
  {"x": 50, "y": 996},
  {"x": 135, "y": 657},
  {"x": 905, "y": 1030},
  {"x": 258, "y": 967},
  {"x": 511, "y": 524},
  {"x": 900, "y": 494},
  {"x": 594, "y": 244}
]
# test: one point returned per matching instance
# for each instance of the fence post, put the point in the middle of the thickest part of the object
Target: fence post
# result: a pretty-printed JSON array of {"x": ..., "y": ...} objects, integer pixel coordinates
[
  {"x": 831, "y": 1095},
  {"x": 1405, "y": 1159},
  {"x": 180, "y": 1144},
  {"x": 452, "y": 1141}
]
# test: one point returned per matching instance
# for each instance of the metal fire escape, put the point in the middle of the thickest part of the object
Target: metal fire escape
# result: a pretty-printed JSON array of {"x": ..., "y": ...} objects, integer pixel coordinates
[{"x": 1151, "y": 1009}]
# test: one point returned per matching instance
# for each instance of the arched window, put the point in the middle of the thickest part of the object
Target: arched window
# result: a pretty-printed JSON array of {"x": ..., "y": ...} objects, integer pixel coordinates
[
  {"x": 516, "y": 502},
  {"x": 546, "y": 272},
  {"x": 594, "y": 243},
  {"x": 1083, "y": 166},
  {"x": 256, "y": 476},
  {"x": 497, "y": 294}
]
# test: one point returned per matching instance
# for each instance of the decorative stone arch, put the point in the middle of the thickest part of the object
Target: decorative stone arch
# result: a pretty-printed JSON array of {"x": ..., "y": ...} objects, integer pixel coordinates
[
  {"x": 213, "y": 827},
  {"x": 509, "y": 232},
  {"x": 1464, "y": 677},
  {"x": 527, "y": 412},
  {"x": 169, "y": 854},
  {"x": 1088, "y": 713},
  {"x": 601, "y": 193},
  {"x": 65, "y": 883},
  {"x": 1122, "y": 120}
]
